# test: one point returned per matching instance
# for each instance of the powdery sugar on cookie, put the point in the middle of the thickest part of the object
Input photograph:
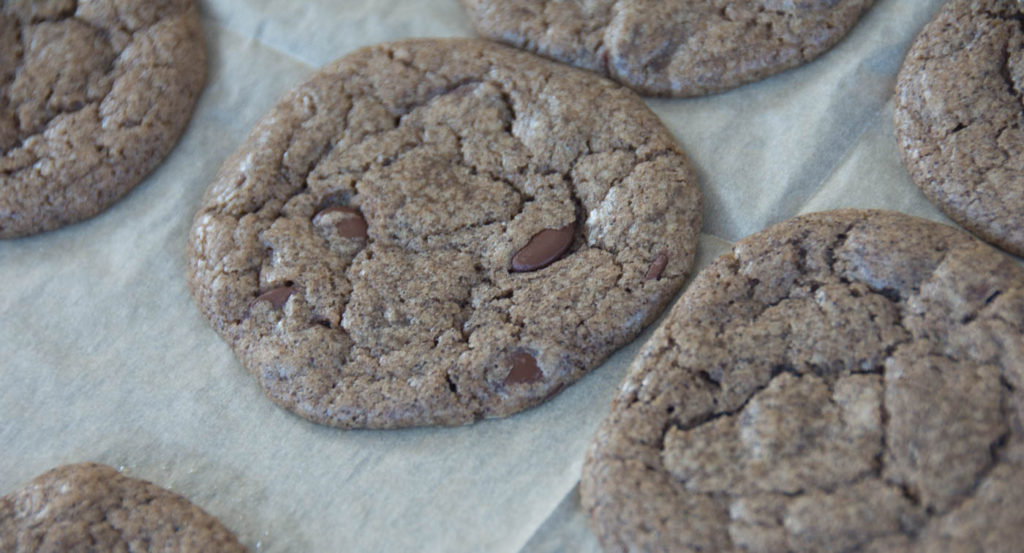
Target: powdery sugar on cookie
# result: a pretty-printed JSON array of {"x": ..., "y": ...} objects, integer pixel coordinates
[{"x": 436, "y": 231}]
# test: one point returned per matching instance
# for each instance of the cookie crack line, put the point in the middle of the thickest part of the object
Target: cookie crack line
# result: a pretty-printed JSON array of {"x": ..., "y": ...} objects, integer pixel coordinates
[
  {"x": 1004, "y": 74},
  {"x": 995, "y": 447},
  {"x": 581, "y": 212},
  {"x": 25, "y": 135},
  {"x": 76, "y": 132},
  {"x": 649, "y": 157},
  {"x": 331, "y": 145},
  {"x": 94, "y": 505},
  {"x": 678, "y": 48},
  {"x": 112, "y": 69},
  {"x": 385, "y": 162},
  {"x": 638, "y": 433},
  {"x": 300, "y": 172},
  {"x": 778, "y": 370},
  {"x": 958, "y": 116}
]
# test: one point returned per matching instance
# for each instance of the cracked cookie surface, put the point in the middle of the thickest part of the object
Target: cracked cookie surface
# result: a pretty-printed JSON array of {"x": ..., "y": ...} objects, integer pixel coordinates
[
  {"x": 672, "y": 47},
  {"x": 959, "y": 115},
  {"x": 435, "y": 231},
  {"x": 846, "y": 381},
  {"x": 93, "y": 95},
  {"x": 92, "y": 507}
]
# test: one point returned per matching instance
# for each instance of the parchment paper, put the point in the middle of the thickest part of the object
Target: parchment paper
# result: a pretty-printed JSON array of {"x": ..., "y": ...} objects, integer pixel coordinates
[{"x": 104, "y": 357}]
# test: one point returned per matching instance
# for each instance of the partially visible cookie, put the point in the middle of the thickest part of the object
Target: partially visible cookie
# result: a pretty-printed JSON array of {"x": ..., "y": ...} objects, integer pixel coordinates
[
  {"x": 93, "y": 95},
  {"x": 91, "y": 507},
  {"x": 431, "y": 232},
  {"x": 672, "y": 47},
  {"x": 960, "y": 113},
  {"x": 846, "y": 381}
]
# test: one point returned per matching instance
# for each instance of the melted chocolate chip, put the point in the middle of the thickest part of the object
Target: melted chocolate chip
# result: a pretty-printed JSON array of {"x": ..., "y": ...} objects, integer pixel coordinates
[
  {"x": 543, "y": 249},
  {"x": 277, "y": 296},
  {"x": 352, "y": 225},
  {"x": 657, "y": 267},
  {"x": 524, "y": 369}
]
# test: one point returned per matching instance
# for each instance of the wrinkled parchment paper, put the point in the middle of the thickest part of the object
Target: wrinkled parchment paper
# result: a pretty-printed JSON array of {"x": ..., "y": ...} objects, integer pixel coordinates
[{"x": 104, "y": 357}]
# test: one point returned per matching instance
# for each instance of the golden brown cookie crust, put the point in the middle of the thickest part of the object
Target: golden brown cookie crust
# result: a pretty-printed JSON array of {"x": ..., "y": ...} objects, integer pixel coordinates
[
  {"x": 434, "y": 231},
  {"x": 959, "y": 109},
  {"x": 672, "y": 47},
  {"x": 91, "y": 507},
  {"x": 846, "y": 381},
  {"x": 93, "y": 95}
]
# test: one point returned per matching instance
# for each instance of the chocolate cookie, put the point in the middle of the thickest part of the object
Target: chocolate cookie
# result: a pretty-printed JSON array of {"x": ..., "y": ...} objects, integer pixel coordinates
[
  {"x": 92, "y": 507},
  {"x": 93, "y": 95},
  {"x": 846, "y": 381},
  {"x": 672, "y": 47},
  {"x": 959, "y": 116},
  {"x": 434, "y": 231}
]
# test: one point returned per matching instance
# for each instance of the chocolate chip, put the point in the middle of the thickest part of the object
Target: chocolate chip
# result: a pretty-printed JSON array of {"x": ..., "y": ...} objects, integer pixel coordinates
[
  {"x": 543, "y": 249},
  {"x": 657, "y": 267},
  {"x": 524, "y": 369},
  {"x": 352, "y": 223},
  {"x": 277, "y": 296}
]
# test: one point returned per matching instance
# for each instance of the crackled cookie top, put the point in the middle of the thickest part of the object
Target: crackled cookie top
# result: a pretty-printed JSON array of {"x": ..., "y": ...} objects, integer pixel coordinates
[
  {"x": 846, "y": 381},
  {"x": 93, "y": 94},
  {"x": 672, "y": 47},
  {"x": 435, "y": 231},
  {"x": 90, "y": 507},
  {"x": 959, "y": 115}
]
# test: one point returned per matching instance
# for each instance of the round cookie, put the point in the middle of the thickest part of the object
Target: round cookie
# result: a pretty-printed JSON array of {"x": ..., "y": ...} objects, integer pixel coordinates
[
  {"x": 93, "y": 95},
  {"x": 672, "y": 47},
  {"x": 846, "y": 381},
  {"x": 91, "y": 507},
  {"x": 434, "y": 231},
  {"x": 959, "y": 115}
]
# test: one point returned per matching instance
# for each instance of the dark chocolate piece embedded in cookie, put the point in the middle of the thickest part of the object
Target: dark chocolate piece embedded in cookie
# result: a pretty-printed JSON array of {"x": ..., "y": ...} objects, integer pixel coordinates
[
  {"x": 93, "y": 95},
  {"x": 846, "y": 381},
  {"x": 436, "y": 231},
  {"x": 90, "y": 507},
  {"x": 672, "y": 47},
  {"x": 543, "y": 249},
  {"x": 959, "y": 114}
]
